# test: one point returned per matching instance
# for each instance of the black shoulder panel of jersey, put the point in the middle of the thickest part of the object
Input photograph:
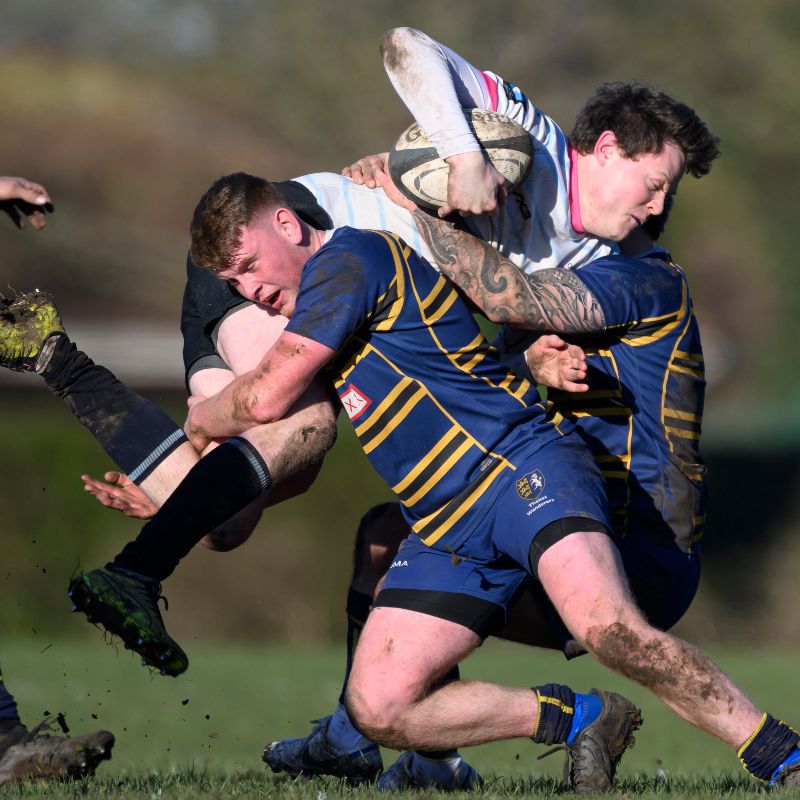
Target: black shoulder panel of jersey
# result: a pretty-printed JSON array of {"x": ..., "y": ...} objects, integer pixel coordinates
[{"x": 302, "y": 202}]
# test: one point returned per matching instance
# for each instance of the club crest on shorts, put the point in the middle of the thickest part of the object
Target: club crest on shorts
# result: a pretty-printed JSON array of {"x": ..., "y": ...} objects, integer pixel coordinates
[
  {"x": 355, "y": 402},
  {"x": 530, "y": 486}
]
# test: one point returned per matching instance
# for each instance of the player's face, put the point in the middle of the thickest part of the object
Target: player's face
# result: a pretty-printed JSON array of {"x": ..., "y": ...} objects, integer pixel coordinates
[
  {"x": 268, "y": 266},
  {"x": 629, "y": 190}
]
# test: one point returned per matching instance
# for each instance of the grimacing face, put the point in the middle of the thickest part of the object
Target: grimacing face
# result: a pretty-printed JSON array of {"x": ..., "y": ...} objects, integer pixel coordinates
[
  {"x": 268, "y": 265},
  {"x": 624, "y": 192}
]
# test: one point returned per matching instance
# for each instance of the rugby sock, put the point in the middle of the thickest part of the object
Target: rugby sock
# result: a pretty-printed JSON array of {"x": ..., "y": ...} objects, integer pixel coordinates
[
  {"x": 341, "y": 732},
  {"x": 8, "y": 706},
  {"x": 217, "y": 487},
  {"x": 555, "y": 713},
  {"x": 357, "y": 610},
  {"x": 135, "y": 433},
  {"x": 770, "y": 744}
]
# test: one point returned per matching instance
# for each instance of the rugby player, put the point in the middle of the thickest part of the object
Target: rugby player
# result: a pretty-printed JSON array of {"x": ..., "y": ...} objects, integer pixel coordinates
[
  {"x": 522, "y": 244},
  {"x": 522, "y": 496},
  {"x": 31, "y": 753}
]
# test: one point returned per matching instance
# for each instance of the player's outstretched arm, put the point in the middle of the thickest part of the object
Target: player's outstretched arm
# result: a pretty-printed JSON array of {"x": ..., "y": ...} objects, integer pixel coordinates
[
  {"x": 436, "y": 85},
  {"x": 21, "y": 198},
  {"x": 555, "y": 300}
]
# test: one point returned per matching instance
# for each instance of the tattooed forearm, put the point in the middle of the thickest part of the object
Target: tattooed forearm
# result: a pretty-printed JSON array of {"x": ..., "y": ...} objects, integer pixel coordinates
[{"x": 548, "y": 300}]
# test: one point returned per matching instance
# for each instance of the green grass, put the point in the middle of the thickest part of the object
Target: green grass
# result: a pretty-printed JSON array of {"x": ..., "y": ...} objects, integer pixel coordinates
[{"x": 241, "y": 697}]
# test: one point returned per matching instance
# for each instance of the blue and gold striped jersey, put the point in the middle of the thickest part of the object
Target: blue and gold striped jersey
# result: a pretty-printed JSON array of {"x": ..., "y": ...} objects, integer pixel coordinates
[
  {"x": 643, "y": 413},
  {"x": 437, "y": 413}
]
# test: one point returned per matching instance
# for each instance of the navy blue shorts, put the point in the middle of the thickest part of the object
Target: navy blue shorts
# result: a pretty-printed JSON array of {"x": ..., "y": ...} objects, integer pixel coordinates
[{"x": 558, "y": 491}]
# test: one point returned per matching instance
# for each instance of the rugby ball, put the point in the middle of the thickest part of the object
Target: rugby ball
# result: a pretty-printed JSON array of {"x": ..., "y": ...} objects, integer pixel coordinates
[{"x": 419, "y": 173}]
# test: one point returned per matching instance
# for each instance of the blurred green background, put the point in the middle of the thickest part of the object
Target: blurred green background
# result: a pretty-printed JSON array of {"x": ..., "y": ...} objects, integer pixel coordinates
[{"x": 128, "y": 109}]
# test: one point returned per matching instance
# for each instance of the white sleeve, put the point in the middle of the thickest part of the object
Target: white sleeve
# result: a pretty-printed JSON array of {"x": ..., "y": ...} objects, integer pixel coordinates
[{"x": 435, "y": 84}]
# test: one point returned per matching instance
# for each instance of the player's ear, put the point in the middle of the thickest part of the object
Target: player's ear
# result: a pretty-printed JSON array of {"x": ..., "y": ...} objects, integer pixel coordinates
[
  {"x": 289, "y": 225},
  {"x": 606, "y": 147}
]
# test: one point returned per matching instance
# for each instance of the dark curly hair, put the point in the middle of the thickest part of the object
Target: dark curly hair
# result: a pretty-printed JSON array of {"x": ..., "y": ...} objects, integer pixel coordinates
[{"x": 643, "y": 120}]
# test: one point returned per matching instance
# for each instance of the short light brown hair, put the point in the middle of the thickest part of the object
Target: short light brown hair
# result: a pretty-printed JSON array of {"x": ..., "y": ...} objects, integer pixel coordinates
[{"x": 223, "y": 212}]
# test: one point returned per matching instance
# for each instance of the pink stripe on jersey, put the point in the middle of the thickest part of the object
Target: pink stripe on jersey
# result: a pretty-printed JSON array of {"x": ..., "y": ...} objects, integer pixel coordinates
[
  {"x": 574, "y": 201},
  {"x": 491, "y": 87}
]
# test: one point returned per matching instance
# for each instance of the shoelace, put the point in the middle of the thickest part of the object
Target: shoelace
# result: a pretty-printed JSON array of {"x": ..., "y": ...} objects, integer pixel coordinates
[{"x": 559, "y": 748}]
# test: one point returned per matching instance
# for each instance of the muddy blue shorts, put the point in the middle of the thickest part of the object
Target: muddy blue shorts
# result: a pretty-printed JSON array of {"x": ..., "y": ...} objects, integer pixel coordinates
[{"x": 558, "y": 491}]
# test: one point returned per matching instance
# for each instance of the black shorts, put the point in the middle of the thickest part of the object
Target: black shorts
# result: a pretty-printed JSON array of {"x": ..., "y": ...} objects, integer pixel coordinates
[{"x": 206, "y": 300}]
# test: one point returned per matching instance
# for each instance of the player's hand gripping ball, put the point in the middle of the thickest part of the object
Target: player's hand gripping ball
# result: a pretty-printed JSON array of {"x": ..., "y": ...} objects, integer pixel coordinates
[{"x": 419, "y": 173}]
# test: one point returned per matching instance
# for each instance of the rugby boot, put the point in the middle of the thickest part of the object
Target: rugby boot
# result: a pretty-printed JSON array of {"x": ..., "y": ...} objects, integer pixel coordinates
[
  {"x": 595, "y": 752},
  {"x": 41, "y": 756},
  {"x": 29, "y": 326},
  {"x": 788, "y": 773},
  {"x": 316, "y": 754},
  {"x": 415, "y": 771},
  {"x": 126, "y": 604}
]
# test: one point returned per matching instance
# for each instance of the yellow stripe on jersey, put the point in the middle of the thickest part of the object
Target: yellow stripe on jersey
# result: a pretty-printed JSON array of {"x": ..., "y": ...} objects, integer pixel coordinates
[
  {"x": 455, "y": 433},
  {"x": 390, "y": 305},
  {"x": 438, "y": 405},
  {"x": 468, "y": 357},
  {"x": 689, "y": 356},
  {"x": 400, "y": 289},
  {"x": 388, "y": 415},
  {"x": 698, "y": 526},
  {"x": 665, "y": 323},
  {"x": 431, "y": 528},
  {"x": 672, "y": 367},
  {"x": 682, "y": 433},
  {"x": 673, "y": 412},
  {"x": 609, "y": 411},
  {"x": 429, "y": 471},
  {"x": 607, "y": 458},
  {"x": 697, "y": 373},
  {"x": 438, "y": 302}
]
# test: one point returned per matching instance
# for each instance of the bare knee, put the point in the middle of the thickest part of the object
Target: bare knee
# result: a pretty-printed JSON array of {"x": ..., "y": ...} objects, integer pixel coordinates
[{"x": 378, "y": 712}]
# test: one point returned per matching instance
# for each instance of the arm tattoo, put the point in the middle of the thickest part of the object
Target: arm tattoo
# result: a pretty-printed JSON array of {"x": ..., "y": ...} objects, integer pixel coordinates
[{"x": 548, "y": 300}]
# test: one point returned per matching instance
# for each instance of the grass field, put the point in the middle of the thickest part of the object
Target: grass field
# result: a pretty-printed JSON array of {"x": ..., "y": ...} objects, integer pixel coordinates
[{"x": 201, "y": 735}]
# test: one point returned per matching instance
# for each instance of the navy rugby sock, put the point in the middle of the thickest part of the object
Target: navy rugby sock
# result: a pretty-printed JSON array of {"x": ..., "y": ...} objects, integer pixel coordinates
[
  {"x": 135, "y": 433},
  {"x": 561, "y": 713},
  {"x": 768, "y": 747},
  {"x": 221, "y": 484},
  {"x": 357, "y": 610}
]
